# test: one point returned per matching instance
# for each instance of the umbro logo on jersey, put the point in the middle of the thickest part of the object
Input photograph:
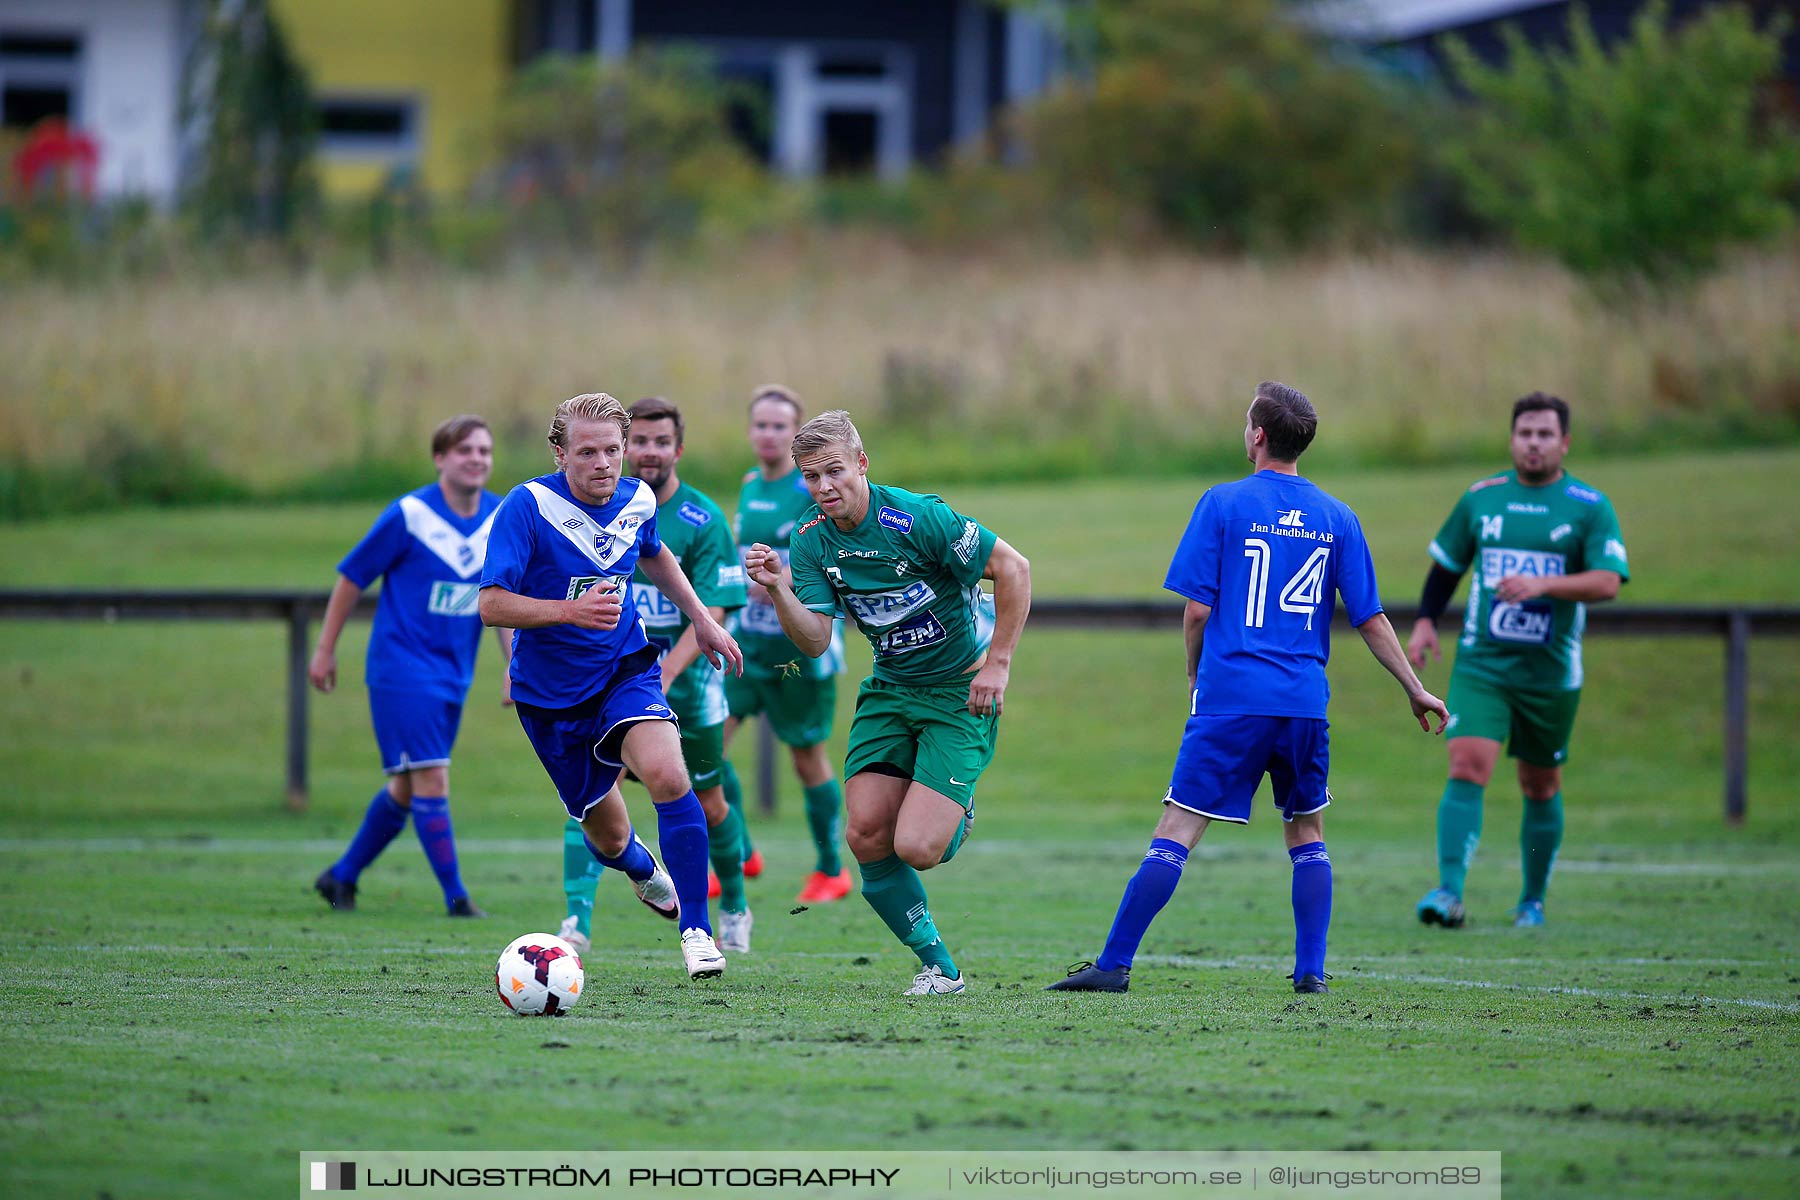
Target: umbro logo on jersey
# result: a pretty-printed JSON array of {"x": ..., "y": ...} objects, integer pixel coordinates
[
  {"x": 574, "y": 523},
  {"x": 1291, "y": 518}
]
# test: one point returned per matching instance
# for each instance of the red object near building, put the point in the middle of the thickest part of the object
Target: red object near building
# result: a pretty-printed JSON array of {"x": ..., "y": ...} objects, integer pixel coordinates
[{"x": 56, "y": 156}]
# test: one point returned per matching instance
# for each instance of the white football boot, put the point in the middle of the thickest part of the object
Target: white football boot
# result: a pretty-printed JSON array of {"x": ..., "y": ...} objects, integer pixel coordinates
[
  {"x": 734, "y": 931},
  {"x": 704, "y": 961},
  {"x": 570, "y": 932},
  {"x": 933, "y": 982}
]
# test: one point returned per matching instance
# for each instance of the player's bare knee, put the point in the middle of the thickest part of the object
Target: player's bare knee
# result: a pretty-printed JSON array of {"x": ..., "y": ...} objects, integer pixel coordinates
[
  {"x": 868, "y": 842},
  {"x": 712, "y": 803},
  {"x": 430, "y": 781},
  {"x": 609, "y": 831},
  {"x": 1540, "y": 784},
  {"x": 919, "y": 853},
  {"x": 1471, "y": 764},
  {"x": 1182, "y": 825},
  {"x": 1302, "y": 831},
  {"x": 812, "y": 764},
  {"x": 399, "y": 790}
]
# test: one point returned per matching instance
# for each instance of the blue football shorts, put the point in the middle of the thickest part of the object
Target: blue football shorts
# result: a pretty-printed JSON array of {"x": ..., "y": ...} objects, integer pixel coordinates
[
  {"x": 580, "y": 748},
  {"x": 1223, "y": 759},
  {"x": 413, "y": 730}
]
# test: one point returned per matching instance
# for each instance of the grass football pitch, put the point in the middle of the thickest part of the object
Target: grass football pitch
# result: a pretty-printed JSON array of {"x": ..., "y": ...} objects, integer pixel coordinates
[{"x": 183, "y": 1016}]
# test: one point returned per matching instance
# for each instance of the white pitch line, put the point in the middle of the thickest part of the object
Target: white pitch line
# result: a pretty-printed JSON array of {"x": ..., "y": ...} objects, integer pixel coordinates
[{"x": 1239, "y": 964}]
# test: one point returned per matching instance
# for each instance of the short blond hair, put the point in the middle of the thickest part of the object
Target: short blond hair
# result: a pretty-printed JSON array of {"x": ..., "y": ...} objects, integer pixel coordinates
[
  {"x": 832, "y": 428},
  {"x": 589, "y": 406},
  {"x": 776, "y": 391}
]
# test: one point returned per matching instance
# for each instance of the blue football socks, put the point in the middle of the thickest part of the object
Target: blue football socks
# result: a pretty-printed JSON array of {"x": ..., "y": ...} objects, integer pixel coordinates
[
  {"x": 681, "y": 834},
  {"x": 634, "y": 860},
  {"x": 1144, "y": 897},
  {"x": 381, "y": 824},
  {"x": 431, "y": 820},
  {"x": 1312, "y": 908}
]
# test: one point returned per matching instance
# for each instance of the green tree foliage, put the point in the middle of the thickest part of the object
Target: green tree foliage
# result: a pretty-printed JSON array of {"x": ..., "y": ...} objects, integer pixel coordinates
[
  {"x": 249, "y": 102},
  {"x": 614, "y": 155},
  {"x": 1225, "y": 123},
  {"x": 1647, "y": 159}
]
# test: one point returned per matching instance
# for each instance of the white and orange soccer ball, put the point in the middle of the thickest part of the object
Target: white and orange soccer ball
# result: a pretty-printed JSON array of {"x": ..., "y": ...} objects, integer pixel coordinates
[{"x": 539, "y": 975}]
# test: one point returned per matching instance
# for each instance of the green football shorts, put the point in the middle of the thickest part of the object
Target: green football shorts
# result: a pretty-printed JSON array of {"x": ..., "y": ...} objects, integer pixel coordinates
[
  {"x": 927, "y": 731},
  {"x": 703, "y": 750},
  {"x": 800, "y": 710},
  {"x": 1534, "y": 724}
]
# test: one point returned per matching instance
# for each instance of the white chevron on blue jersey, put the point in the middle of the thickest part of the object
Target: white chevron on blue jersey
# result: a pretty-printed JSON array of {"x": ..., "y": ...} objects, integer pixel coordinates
[
  {"x": 464, "y": 555},
  {"x": 602, "y": 546}
]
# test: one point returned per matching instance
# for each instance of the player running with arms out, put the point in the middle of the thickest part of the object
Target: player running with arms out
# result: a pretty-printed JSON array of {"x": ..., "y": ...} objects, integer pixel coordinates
[
  {"x": 907, "y": 569},
  {"x": 797, "y": 693},
  {"x": 694, "y": 529},
  {"x": 427, "y": 549},
  {"x": 586, "y": 681},
  {"x": 1544, "y": 545},
  {"x": 1262, "y": 565}
]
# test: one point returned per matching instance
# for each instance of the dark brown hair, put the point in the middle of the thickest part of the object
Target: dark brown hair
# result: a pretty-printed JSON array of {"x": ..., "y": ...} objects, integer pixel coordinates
[
  {"x": 1286, "y": 417},
  {"x": 1542, "y": 402},
  {"x": 655, "y": 408}
]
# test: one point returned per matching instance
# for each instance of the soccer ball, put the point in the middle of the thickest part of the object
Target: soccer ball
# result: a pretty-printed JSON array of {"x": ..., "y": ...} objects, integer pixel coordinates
[{"x": 539, "y": 975}]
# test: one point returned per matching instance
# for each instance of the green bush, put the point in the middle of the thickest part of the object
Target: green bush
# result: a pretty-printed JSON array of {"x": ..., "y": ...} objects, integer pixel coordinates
[
  {"x": 1221, "y": 122},
  {"x": 1648, "y": 159},
  {"x": 615, "y": 156}
]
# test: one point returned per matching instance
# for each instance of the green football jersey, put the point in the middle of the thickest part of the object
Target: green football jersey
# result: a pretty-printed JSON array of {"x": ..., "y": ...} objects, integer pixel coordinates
[
  {"x": 1501, "y": 527},
  {"x": 768, "y": 511},
  {"x": 909, "y": 576},
  {"x": 694, "y": 530}
]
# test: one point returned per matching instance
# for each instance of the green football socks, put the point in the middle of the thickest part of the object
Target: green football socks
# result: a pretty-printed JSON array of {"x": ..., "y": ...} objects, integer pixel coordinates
[
  {"x": 1540, "y": 834},
  {"x": 725, "y": 846},
  {"x": 824, "y": 805},
  {"x": 734, "y": 796},
  {"x": 1458, "y": 832},
  {"x": 897, "y": 894},
  {"x": 580, "y": 875}
]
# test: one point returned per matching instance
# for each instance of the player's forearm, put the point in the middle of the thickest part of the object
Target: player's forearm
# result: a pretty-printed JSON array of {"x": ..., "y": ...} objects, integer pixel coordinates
[
  {"x": 1012, "y": 604},
  {"x": 808, "y": 630},
  {"x": 1587, "y": 586},
  {"x": 686, "y": 649},
  {"x": 1193, "y": 635},
  {"x": 503, "y": 609},
  {"x": 667, "y": 575},
  {"x": 1379, "y": 636},
  {"x": 504, "y": 636},
  {"x": 338, "y": 608}
]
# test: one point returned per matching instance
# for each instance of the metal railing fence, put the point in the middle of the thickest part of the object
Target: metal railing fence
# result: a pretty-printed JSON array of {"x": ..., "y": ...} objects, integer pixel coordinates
[{"x": 298, "y": 610}]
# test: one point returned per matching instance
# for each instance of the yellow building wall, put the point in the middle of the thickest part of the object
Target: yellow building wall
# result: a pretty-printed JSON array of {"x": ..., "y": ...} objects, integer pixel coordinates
[{"x": 451, "y": 55}]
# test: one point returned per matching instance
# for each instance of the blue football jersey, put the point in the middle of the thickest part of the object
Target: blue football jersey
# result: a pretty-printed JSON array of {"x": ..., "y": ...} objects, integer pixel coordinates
[
  {"x": 427, "y": 624},
  {"x": 550, "y": 546},
  {"x": 1270, "y": 555}
]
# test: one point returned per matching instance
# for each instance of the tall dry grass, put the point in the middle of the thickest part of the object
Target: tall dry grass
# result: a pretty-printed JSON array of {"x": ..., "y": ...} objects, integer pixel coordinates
[{"x": 1003, "y": 365}]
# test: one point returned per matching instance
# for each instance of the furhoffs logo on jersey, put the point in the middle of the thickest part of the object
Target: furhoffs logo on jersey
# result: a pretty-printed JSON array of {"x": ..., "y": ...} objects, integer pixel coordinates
[
  {"x": 895, "y": 520},
  {"x": 1586, "y": 495},
  {"x": 809, "y": 525},
  {"x": 1291, "y": 518},
  {"x": 693, "y": 514}
]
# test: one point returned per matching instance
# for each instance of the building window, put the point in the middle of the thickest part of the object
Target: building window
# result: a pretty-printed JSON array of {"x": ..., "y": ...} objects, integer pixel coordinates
[
  {"x": 369, "y": 127},
  {"x": 40, "y": 77}
]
